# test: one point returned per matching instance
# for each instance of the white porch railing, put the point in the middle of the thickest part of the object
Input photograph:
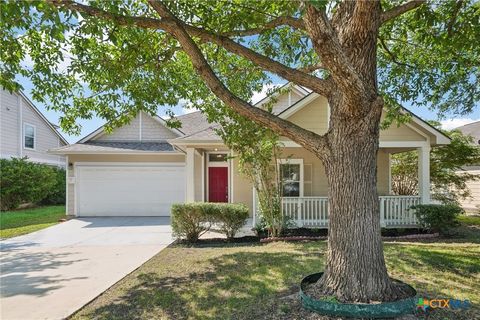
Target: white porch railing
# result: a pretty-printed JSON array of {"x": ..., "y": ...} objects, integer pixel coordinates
[
  {"x": 313, "y": 211},
  {"x": 395, "y": 211}
]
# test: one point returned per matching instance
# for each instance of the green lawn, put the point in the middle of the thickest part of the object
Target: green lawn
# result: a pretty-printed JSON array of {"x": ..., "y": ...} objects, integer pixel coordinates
[
  {"x": 253, "y": 281},
  {"x": 15, "y": 223},
  {"x": 469, "y": 220}
]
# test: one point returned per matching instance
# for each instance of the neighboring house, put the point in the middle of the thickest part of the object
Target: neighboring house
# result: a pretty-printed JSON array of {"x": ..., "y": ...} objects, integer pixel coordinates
[
  {"x": 472, "y": 204},
  {"x": 25, "y": 132},
  {"x": 140, "y": 169}
]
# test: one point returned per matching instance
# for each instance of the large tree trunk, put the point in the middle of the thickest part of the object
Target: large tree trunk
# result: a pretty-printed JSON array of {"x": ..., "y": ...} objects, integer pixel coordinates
[{"x": 355, "y": 267}]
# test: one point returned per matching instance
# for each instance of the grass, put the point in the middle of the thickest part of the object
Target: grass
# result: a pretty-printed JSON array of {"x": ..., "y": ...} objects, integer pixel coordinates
[
  {"x": 259, "y": 281},
  {"x": 18, "y": 222},
  {"x": 469, "y": 220}
]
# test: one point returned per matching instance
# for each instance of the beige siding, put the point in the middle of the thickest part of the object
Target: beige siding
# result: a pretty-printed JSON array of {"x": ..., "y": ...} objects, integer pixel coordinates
[
  {"x": 383, "y": 173},
  {"x": 9, "y": 122},
  {"x": 153, "y": 130},
  {"x": 473, "y": 204},
  {"x": 315, "y": 180},
  {"x": 73, "y": 159},
  {"x": 128, "y": 132},
  {"x": 143, "y": 127},
  {"x": 284, "y": 101},
  {"x": 242, "y": 187},
  {"x": 313, "y": 117},
  {"x": 399, "y": 133},
  {"x": 198, "y": 177}
]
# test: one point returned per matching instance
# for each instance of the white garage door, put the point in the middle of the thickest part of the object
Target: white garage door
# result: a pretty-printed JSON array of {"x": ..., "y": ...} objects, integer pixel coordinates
[{"x": 129, "y": 190}]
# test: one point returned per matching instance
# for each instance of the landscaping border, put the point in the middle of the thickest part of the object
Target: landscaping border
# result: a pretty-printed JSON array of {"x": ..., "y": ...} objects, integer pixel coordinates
[{"x": 338, "y": 309}]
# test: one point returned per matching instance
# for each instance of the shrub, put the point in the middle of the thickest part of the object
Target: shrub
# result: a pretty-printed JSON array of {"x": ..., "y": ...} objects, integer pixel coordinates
[
  {"x": 22, "y": 181},
  {"x": 57, "y": 193},
  {"x": 262, "y": 226},
  {"x": 191, "y": 220},
  {"x": 438, "y": 217},
  {"x": 230, "y": 217}
]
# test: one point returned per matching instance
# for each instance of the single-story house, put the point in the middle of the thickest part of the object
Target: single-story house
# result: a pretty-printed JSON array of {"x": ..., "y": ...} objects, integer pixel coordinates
[{"x": 144, "y": 167}]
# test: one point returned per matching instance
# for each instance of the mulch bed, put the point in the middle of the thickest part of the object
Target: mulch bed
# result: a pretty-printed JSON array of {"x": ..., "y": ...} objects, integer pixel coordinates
[{"x": 300, "y": 238}]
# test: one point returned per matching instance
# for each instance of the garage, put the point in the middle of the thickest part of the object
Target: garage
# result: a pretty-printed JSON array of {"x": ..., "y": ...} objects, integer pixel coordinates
[{"x": 128, "y": 189}]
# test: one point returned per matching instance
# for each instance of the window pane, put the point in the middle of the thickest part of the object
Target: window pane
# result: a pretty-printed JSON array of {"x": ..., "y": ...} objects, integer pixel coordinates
[
  {"x": 217, "y": 157},
  {"x": 29, "y": 137},
  {"x": 291, "y": 189},
  {"x": 290, "y": 174},
  {"x": 29, "y": 143},
  {"x": 29, "y": 131}
]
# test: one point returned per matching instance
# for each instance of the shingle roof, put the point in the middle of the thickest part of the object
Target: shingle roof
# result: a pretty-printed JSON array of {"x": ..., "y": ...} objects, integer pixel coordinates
[
  {"x": 207, "y": 134},
  {"x": 116, "y": 146},
  {"x": 193, "y": 122}
]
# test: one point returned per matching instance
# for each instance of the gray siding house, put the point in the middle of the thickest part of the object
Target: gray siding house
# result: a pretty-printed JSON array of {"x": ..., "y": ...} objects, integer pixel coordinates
[{"x": 25, "y": 132}]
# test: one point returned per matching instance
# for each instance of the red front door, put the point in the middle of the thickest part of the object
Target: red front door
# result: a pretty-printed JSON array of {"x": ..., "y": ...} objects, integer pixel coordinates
[{"x": 218, "y": 184}]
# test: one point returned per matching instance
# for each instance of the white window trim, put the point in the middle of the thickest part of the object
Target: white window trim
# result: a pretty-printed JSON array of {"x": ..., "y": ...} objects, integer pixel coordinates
[
  {"x": 226, "y": 164},
  {"x": 34, "y": 136},
  {"x": 294, "y": 161}
]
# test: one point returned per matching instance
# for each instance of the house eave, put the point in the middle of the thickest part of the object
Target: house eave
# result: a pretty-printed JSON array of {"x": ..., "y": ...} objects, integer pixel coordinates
[{"x": 169, "y": 153}]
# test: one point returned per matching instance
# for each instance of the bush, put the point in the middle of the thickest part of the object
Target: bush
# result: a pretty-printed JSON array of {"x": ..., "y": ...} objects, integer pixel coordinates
[
  {"x": 438, "y": 217},
  {"x": 22, "y": 181},
  {"x": 262, "y": 226},
  {"x": 191, "y": 220},
  {"x": 230, "y": 217},
  {"x": 57, "y": 193}
]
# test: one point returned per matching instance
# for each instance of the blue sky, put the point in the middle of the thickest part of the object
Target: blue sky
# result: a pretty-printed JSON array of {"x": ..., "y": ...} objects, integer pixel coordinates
[{"x": 90, "y": 125}]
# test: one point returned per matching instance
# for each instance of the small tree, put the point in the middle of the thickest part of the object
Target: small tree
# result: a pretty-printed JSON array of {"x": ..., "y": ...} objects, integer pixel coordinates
[
  {"x": 448, "y": 186},
  {"x": 257, "y": 149}
]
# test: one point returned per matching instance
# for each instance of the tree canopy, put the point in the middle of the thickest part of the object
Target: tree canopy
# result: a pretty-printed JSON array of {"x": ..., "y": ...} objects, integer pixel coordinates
[{"x": 112, "y": 58}]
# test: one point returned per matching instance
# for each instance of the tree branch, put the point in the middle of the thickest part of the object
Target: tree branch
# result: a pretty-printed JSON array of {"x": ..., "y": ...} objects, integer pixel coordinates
[
  {"x": 280, "y": 21},
  {"x": 330, "y": 51},
  {"x": 311, "y": 68},
  {"x": 401, "y": 9},
  {"x": 260, "y": 116},
  {"x": 392, "y": 55},
  {"x": 319, "y": 86}
]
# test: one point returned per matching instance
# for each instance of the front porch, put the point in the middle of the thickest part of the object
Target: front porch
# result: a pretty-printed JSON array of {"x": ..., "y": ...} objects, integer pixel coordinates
[
  {"x": 312, "y": 212},
  {"x": 305, "y": 190}
]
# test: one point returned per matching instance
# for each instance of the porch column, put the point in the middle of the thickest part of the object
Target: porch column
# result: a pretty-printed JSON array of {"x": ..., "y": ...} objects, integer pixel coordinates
[
  {"x": 424, "y": 174},
  {"x": 190, "y": 172}
]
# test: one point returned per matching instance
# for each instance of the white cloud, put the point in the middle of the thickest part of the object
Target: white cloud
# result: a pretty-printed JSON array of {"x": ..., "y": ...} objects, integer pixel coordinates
[
  {"x": 257, "y": 96},
  {"x": 188, "y": 110},
  {"x": 449, "y": 124}
]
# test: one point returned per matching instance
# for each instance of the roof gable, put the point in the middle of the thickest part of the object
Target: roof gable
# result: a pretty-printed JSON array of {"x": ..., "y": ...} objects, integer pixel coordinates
[
  {"x": 143, "y": 127},
  {"x": 301, "y": 113},
  {"x": 42, "y": 117}
]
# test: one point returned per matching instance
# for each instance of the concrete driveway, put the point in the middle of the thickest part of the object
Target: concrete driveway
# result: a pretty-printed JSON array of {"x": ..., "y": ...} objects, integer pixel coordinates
[{"x": 51, "y": 273}]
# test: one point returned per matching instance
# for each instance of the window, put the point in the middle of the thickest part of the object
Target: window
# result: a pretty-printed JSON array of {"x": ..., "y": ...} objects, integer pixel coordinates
[
  {"x": 217, "y": 157},
  {"x": 29, "y": 136},
  {"x": 291, "y": 173}
]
